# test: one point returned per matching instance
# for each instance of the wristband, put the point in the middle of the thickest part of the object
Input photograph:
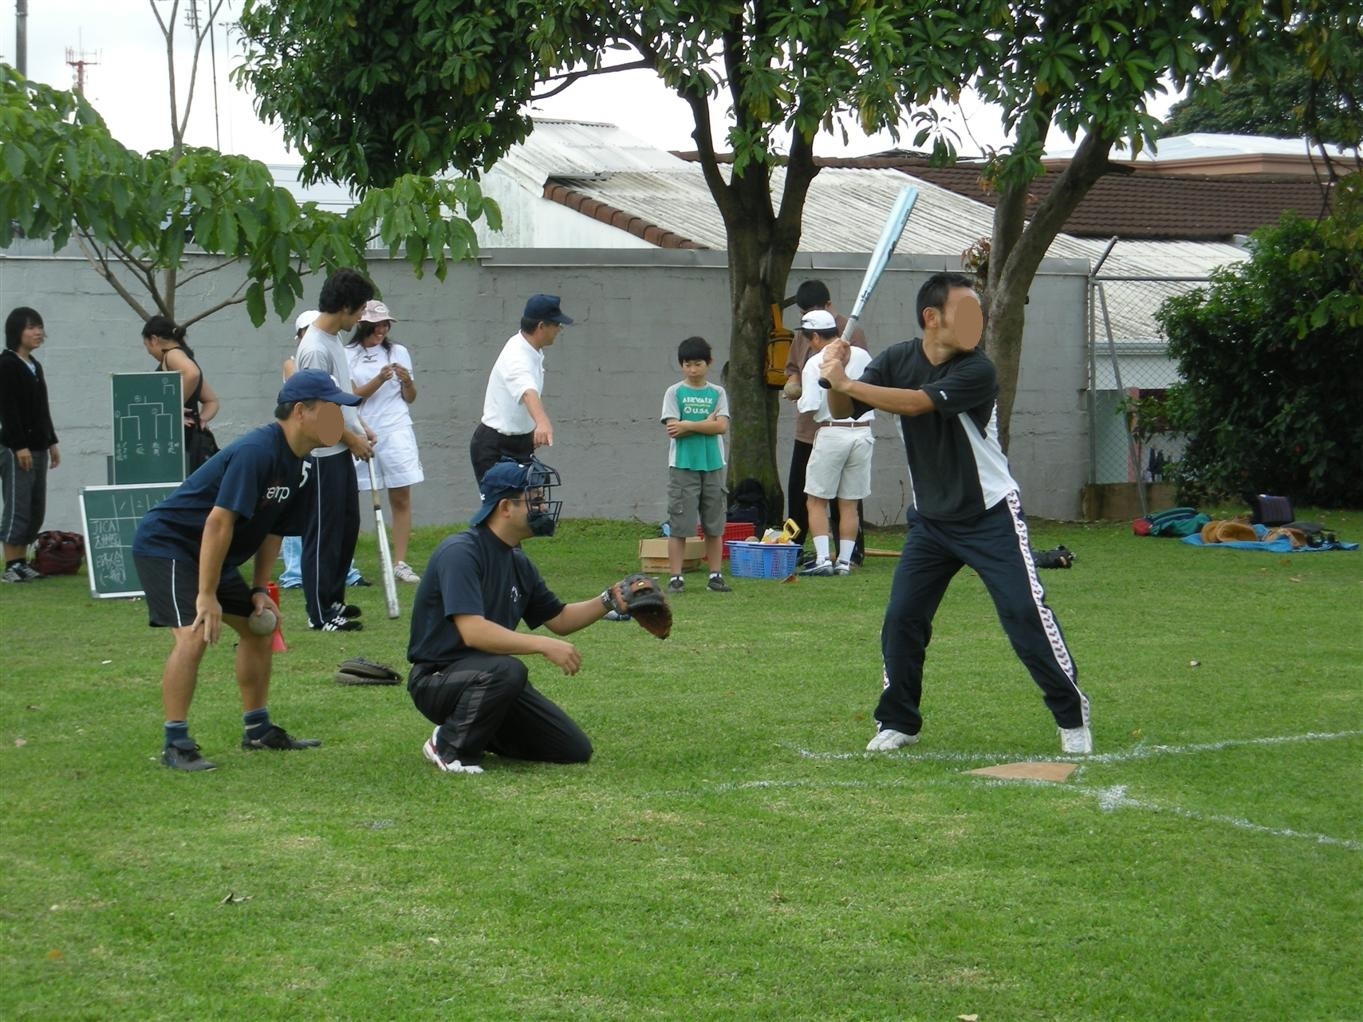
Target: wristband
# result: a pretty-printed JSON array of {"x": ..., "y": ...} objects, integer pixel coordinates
[
  {"x": 606, "y": 600},
  {"x": 259, "y": 591}
]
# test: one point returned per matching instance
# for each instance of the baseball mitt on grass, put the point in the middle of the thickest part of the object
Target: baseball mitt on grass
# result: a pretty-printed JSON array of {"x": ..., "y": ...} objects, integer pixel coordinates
[
  {"x": 359, "y": 671},
  {"x": 645, "y": 602}
]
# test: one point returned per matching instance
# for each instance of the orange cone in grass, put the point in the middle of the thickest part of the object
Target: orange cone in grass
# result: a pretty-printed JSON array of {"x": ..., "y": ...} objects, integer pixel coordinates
[{"x": 277, "y": 639}]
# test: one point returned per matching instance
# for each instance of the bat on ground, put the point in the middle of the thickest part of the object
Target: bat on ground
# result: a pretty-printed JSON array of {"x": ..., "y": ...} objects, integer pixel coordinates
[
  {"x": 880, "y": 256},
  {"x": 390, "y": 586}
]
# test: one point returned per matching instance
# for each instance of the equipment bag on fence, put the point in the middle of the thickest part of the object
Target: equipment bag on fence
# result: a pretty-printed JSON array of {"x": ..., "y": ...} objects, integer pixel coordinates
[{"x": 58, "y": 553}]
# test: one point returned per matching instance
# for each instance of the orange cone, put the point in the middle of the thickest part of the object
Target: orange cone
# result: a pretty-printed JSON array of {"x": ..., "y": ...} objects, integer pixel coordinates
[{"x": 277, "y": 644}]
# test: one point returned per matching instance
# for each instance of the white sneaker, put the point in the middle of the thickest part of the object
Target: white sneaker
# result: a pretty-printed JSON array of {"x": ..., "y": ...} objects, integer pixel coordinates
[
  {"x": 819, "y": 569},
  {"x": 888, "y": 739},
  {"x": 842, "y": 568},
  {"x": 1076, "y": 741},
  {"x": 452, "y": 766},
  {"x": 402, "y": 571}
]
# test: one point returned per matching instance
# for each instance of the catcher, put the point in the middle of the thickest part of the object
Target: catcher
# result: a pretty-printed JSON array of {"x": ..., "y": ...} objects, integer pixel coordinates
[{"x": 467, "y": 677}]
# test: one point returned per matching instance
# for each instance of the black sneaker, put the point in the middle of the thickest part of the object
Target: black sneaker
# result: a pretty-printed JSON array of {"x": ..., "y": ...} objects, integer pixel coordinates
[
  {"x": 676, "y": 584},
  {"x": 278, "y": 738},
  {"x": 183, "y": 754},
  {"x": 718, "y": 585},
  {"x": 361, "y": 583},
  {"x": 346, "y": 610},
  {"x": 29, "y": 572},
  {"x": 339, "y": 623}
]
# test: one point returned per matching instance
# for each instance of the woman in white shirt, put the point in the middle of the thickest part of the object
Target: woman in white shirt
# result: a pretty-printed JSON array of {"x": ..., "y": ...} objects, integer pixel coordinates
[{"x": 381, "y": 373}]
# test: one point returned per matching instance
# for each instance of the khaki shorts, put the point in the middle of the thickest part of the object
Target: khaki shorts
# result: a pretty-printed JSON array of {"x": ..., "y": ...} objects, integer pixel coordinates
[
  {"x": 840, "y": 464},
  {"x": 693, "y": 496}
]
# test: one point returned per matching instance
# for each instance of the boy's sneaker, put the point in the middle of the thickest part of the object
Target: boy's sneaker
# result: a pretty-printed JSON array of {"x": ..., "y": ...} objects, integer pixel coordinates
[
  {"x": 13, "y": 574},
  {"x": 676, "y": 584},
  {"x": 842, "y": 568},
  {"x": 183, "y": 754},
  {"x": 820, "y": 568},
  {"x": 888, "y": 739},
  {"x": 29, "y": 571},
  {"x": 339, "y": 623},
  {"x": 718, "y": 585},
  {"x": 278, "y": 738},
  {"x": 446, "y": 766},
  {"x": 1076, "y": 741},
  {"x": 402, "y": 571}
]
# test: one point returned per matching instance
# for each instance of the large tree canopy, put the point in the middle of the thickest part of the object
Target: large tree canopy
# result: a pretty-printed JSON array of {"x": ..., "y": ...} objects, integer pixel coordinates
[
  {"x": 134, "y": 216},
  {"x": 367, "y": 89}
]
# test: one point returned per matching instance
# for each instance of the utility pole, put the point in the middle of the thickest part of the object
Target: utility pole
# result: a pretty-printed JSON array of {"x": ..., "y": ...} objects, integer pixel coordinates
[{"x": 21, "y": 37}]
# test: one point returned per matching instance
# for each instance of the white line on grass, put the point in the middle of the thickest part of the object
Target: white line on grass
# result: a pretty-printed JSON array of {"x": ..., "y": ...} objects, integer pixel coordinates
[{"x": 1115, "y": 797}]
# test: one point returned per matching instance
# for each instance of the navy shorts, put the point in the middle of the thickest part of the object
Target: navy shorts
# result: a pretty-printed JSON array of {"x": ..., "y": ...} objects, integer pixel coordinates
[{"x": 172, "y": 587}]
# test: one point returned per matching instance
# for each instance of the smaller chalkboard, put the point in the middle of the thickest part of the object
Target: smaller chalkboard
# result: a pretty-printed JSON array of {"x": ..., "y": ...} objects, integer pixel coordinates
[
  {"x": 110, "y": 515},
  {"x": 149, "y": 431}
]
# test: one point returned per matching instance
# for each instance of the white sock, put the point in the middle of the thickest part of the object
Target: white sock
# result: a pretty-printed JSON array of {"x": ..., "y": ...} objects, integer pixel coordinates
[
  {"x": 821, "y": 548},
  {"x": 845, "y": 548}
]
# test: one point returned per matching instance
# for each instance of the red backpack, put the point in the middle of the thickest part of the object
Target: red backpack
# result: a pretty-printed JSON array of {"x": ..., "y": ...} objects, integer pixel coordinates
[{"x": 58, "y": 553}]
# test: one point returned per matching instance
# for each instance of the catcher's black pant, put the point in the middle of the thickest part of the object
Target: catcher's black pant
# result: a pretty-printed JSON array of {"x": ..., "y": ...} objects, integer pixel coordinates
[
  {"x": 329, "y": 538},
  {"x": 995, "y": 546},
  {"x": 797, "y": 510},
  {"x": 489, "y": 447},
  {"x": 484, "y": 702}
]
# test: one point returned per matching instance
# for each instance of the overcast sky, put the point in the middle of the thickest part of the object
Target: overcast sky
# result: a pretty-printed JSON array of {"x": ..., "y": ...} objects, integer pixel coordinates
[{"x": 125, "y": 79}]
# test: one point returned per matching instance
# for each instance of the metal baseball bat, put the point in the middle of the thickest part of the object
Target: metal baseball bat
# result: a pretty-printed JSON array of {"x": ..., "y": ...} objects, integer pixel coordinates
[
  {"x": 390, "y": 586},
  {"x": 880, "y": 256}
]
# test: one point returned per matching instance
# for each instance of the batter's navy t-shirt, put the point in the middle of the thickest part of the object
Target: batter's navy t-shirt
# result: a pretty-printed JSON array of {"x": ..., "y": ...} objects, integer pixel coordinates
[
  {"x": 957, "y": 468},
  {"x": 257, "y": 476},
  {"x": 474, "y": 572}
]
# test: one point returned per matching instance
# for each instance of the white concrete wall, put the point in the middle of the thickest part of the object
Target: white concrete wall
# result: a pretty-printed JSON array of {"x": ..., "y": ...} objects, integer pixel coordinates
[{"x": 605, "y": 376}]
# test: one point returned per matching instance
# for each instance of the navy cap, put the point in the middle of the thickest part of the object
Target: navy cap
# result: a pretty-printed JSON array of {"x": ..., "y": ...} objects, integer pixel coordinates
[
  {"x": 314, "y": 385},
  {"x": 545, "y": 309},
  {"x": 504, "y": 479}
]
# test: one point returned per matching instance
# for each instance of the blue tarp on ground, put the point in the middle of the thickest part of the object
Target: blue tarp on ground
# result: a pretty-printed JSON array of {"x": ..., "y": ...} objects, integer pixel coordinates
[{"x": 1281, "y": 545}]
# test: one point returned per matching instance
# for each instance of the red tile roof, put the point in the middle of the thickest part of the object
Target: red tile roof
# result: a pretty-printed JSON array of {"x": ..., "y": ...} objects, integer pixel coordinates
[{"x": 628, "y": 222}]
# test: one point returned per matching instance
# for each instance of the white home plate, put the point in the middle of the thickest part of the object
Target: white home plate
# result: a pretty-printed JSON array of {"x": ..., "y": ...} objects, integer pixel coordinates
[{"x": 1028, "y": 771}]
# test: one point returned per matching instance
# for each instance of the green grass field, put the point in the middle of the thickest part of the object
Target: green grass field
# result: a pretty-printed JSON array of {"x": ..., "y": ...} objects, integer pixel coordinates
[{"x": 730, "y": 852}]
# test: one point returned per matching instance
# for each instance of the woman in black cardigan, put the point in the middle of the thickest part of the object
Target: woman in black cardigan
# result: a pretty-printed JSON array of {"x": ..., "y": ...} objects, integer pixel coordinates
[{"x": 28, "y": 443}]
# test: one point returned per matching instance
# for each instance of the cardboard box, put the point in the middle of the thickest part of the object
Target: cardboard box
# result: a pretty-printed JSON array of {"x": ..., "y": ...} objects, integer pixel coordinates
[{"x": 653, "y": 554}]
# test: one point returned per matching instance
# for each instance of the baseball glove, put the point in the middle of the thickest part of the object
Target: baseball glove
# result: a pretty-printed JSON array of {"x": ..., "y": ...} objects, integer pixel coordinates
[
  {"x": 645, "y": 602},
  {"x": 359, "y": 671}
]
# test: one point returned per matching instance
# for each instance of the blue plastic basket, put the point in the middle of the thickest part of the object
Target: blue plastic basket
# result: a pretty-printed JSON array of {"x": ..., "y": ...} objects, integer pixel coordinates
[{"x": 762, "y": 560}]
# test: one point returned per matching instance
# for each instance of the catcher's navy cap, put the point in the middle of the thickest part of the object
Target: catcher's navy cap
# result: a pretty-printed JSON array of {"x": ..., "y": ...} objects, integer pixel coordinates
[
  {"x": 545, "y": 308},
  {"x": 504, "y": 479},
  {"x": 313, "y": 385}
]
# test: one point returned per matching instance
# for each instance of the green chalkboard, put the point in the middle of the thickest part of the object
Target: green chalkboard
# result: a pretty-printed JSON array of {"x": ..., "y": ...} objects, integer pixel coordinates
[
  {"x": 149, "y": 429},
  {"x": 110, "y": 515}
]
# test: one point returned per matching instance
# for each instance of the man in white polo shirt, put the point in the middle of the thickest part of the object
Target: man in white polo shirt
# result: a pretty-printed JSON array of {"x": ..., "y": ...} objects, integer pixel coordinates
[
  {"x": 840, "y": 464},
  {"x": 514, "y": 419}
]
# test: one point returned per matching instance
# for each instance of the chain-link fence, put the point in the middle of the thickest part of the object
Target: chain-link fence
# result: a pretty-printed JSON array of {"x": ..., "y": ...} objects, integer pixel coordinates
[{"x": 1129, "y": 371}]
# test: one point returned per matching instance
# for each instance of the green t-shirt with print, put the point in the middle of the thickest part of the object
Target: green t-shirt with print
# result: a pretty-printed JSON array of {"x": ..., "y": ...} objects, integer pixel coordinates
[{"x": 696, "y": 452}]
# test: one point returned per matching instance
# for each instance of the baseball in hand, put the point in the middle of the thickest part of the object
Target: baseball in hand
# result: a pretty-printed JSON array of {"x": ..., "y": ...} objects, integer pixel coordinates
[
  {"x": 792, "y": 389},
  {"x": 262, "y": 622}
]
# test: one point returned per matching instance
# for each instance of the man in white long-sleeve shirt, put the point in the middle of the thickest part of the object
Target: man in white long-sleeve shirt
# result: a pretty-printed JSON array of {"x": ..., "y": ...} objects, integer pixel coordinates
[{"x": 334, "y": 503}]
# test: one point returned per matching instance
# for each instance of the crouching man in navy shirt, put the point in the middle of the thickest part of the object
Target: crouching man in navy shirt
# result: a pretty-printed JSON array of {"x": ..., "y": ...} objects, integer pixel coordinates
[
  {"x": 238, "y": 505},
  {"x": 466, "y": 678}
]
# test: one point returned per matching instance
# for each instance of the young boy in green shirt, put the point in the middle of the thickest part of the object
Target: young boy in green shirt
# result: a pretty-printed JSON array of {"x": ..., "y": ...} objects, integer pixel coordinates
[{"x": 695, "y": 415}]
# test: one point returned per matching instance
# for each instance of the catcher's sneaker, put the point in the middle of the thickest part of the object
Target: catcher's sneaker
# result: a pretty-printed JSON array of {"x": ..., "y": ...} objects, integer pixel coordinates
[
  {"x": 819, "y": 568},
  {"x": 278, "y": 738},
  {"x": 446, "y": 766},
  {"x": 345, "y": 610},
  {"x": 183, "y": 754},
  {"x": 402, "y": 571},
  {"x": 842, "y": 568},
  {"x": 888, "y": 739},
  {"x": 1076, "y": 741},
  {"x": 718, "y": 585},
  {"x": 676, "y": 584},
  {"x": 615, "y": 615}
]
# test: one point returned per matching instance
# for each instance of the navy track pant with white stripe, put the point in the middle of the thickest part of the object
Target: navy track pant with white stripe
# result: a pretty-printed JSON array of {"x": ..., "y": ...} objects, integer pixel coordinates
[
  {"x": 996, "y": 546},
  {"x": 332, "y": 531}
]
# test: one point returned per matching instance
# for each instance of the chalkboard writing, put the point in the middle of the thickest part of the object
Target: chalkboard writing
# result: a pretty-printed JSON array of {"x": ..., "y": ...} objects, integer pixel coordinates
[
  {"x": 110, "y": 515},
  {"x": 149, "y": 431}
]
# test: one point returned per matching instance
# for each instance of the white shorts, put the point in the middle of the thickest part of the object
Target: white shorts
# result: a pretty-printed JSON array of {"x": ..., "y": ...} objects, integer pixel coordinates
[
  {"x": 396, "y": 461},
  {"x": 840, "y": 464}
]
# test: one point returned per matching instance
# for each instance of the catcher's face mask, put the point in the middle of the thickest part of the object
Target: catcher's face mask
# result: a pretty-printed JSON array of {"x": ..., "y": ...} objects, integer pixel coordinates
[{"x": 541, "y": 511}]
